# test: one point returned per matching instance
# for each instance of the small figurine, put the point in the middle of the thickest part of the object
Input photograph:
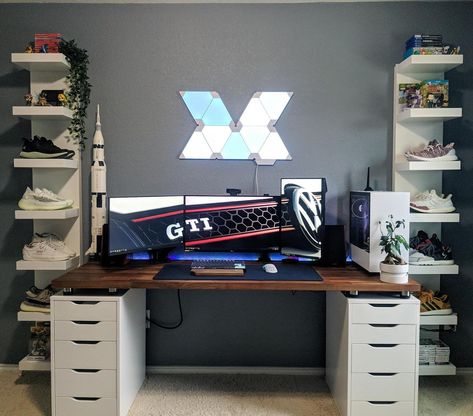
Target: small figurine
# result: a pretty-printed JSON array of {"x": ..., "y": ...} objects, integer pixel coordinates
[
  {"x": 29, "y": 48},
  {"x": 42, "y": 101},
  {"x": 62, "y": 98},
  {"x": 44, "y": 49},
  {"x": 29, "y": 99}
]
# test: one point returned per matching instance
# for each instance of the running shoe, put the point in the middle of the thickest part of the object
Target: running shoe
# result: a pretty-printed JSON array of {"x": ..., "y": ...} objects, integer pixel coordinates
[
  {"x": 40, "y": 296},
  {"x": 425, "y": 251},
  {"x": 55, "y": 241},
  {"x": 432, "y": 152},
  {"x": 43, "y": 200},
  {"x": 430, "y": 202},
  {"x": 43, "y": 251},
  {"x": 434, "y": 304},
  {"x": 28, "y": 306},
  {"x": 43, "y": 148},
  {"x": 419, "y": 259}
]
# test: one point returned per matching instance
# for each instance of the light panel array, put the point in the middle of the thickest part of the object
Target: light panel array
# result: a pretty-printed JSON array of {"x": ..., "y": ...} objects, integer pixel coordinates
[{"x": 254, "y": 137}]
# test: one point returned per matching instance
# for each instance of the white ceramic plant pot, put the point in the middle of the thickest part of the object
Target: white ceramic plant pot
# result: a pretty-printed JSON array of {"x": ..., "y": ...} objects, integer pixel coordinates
[{"x": 394, "y": 273}]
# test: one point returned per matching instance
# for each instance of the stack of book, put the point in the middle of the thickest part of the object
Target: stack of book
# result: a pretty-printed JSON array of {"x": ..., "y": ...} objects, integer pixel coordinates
[
  {"x": 433, "y": 352},
  {"x": 47, "y": 42},
  {"x": 425, "y": 44}
]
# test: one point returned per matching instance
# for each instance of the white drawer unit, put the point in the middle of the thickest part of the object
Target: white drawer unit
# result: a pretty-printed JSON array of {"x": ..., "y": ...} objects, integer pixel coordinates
[
  {"x": 372, "y": 354},
  {"x": 97, "y": 352}
]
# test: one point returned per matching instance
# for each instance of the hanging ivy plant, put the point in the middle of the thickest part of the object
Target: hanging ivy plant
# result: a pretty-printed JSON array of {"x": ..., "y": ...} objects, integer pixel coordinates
[{"x": 78, "y": 95}]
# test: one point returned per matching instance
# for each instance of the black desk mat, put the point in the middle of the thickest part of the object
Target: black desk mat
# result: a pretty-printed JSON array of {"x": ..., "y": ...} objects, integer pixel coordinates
[{"x": 290, "y": 272}]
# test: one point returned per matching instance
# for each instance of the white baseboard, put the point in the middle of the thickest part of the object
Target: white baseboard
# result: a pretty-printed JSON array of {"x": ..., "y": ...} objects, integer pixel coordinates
[
  {"x": 465, "y": 371},
  {"x": 294, "y": 371}
]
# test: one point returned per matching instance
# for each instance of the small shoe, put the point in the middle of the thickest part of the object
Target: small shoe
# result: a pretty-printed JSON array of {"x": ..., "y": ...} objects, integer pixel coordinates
[
  {"x": 40, "y": 296},
  {"x": 54, "y": 241},
  {"x": 42, "y": 148},
  {"x": 432, "y": 152},
  {"x": 43, "y": 251},
  {"x": 419, "y": 259},
  {"x": 430, "y": 202},
  {"x": 42, "y": 201},
  {"x": 434, "y": 305},
  {"x": 28, "y": 306}
]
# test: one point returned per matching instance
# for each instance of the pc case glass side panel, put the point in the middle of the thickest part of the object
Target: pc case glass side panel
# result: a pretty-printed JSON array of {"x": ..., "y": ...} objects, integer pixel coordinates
[{"x": 360, "y": 220}]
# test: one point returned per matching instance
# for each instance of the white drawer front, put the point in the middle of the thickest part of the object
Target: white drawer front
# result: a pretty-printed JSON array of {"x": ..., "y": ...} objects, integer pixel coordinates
[
  {"x": 394, "y": 387},
  {"x": 99, "y": 356},
  {"x": 385, "y": 313},
  {"x": 85, "y": 331},
  {"x": 73, "y": 383},
  {"x": 368, "y": 358},
  {"x": 69, "y": 406},
  {"x": 382, "y": 409},
  {"x": 68, "y": 310},
  {"x": 383, "y": 333}
]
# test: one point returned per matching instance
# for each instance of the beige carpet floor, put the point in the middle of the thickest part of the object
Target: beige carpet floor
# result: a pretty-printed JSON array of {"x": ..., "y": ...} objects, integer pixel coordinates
[{"x": 229, "y": 395}]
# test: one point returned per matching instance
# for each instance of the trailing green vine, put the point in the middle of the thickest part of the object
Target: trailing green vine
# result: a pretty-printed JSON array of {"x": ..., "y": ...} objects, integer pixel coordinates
[{"x": 78, "y": 95}]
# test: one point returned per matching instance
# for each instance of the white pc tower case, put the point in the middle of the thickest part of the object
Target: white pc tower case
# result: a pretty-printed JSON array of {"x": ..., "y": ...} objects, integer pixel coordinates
[{"x": 368, "y": 213}]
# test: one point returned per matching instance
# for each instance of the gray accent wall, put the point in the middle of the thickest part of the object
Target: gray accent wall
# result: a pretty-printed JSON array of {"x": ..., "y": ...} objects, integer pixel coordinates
[{"x": 337, "y": 58}]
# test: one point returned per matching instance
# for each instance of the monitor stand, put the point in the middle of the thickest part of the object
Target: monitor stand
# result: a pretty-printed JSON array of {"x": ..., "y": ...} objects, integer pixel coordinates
[{"x": 264, "y": 257}]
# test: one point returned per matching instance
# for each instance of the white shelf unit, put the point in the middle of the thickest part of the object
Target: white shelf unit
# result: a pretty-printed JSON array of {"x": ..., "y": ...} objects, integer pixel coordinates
[
  {"x": 60, "y": 214},
  {"x": 33, "y": 316},
  {"x": 406, "y": 165},
  {"x": 46, "y": 163},
  {"x": 62, "y": 176},
  {"x": 413, "y": 128},
  {"x": 437, "y": 370},
  {"x": 439, "y": 320},
  {"x": 31, "y": 365},
  {"x": 434, "y": 269}
]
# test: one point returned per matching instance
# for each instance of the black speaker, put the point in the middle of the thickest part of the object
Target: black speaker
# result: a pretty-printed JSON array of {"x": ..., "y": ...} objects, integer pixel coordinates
[
  {"x": 105, "y": 258},
  {"x": 333, "y": 246}
]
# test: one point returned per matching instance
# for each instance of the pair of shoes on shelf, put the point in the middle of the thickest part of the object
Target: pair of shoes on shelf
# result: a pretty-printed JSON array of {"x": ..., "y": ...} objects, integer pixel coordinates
[
  {"x": 47, "y": 247},
  {"x": 43, "y": 200},
  {"x": 432, "y": 152},
  {"x": 430, "y": 202},
  {"x": 434, "y": 303},
  {"x": 37, "y": 300},
  {"x": 43, "y": 148},
  {"x": 425, "y": 251}
]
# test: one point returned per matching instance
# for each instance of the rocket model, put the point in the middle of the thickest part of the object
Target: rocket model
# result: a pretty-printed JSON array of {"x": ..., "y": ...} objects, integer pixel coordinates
[{"x": 98, "y": 189}]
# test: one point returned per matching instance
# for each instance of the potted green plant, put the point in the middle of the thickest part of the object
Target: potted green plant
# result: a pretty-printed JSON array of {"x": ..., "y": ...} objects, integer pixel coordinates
[{"x": 393, "y": 268}]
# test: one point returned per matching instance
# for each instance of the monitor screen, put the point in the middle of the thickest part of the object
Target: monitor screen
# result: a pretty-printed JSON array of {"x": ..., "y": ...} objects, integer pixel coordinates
[
  {"x": 231, "y": 223},
  {"x": 145, "y": 223},
  {"x": 302, "y": 217}
]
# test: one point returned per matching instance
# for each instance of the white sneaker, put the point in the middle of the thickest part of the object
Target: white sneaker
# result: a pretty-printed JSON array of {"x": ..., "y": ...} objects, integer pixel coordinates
[
  {"x": 431, "y": 202},
  {"x": 43, "y": 201},
  {"x": 55, "y": 242},
  {"x": 419, "y": 259},
  {"x": 43, "y": 251}
]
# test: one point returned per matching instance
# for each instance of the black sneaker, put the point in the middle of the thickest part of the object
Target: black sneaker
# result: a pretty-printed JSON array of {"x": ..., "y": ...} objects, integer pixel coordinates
[
  {"x": 442, "y": 253},
  {"x": 42, "y": 148}
]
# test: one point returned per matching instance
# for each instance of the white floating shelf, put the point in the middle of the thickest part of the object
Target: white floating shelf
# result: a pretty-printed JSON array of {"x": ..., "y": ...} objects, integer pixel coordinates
[
  {"x": 33, "y": 316},
  {"x": 436, "y": 269},
  {"x": 428, "y": 114},
  {"x": 42, "y": 113},
  {"x": 47, "y": 265},
  {"x": 429, "y": 63},
  {"x": 421, "y": 217},
  {"x": 30, "y": 365},
  {"x": 60, "y": 214},
  {"x": 53, "y": 62},
  {"x": 434, "y": 165},
  {"x": 46, "y": 163},
  {"x": 437, "y": 370},
  {"x": 439, "y": 319}
]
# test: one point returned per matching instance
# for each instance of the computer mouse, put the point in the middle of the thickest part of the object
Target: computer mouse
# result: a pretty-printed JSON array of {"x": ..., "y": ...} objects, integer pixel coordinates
[{"x": 270, "y": 268}]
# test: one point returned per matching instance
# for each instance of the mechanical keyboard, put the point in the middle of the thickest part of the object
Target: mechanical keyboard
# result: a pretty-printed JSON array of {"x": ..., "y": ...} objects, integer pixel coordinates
[{"x": 218, "y": 264}]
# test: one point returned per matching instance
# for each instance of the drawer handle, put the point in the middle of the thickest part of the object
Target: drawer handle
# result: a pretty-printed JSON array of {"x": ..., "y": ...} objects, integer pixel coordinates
[
  {"x": 381, "y": 403},
  {"x": 384, "y": 305},
  {"x": 383, "y": 345},
  {"x": 382, "y": 374},
  {"x": 84, "y": 371},
  {"x": 86, "y": 399},
  {"x": 383, "y": 325},
  {"x": 85, "y": 302},
  {"x": 85, "y": 322},
  {"x": 85, "y": 342}
]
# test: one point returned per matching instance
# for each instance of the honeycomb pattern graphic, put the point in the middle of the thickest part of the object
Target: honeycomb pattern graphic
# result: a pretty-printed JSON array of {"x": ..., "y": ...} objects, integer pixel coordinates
[
  {"x": 237, "y": 221},
  {"x": 253, "y": 137}
]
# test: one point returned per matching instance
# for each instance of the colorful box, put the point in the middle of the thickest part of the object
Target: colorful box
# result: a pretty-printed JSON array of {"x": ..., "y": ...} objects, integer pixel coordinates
[
  {"x": 434, "y": 93},
  {"x": 47, "y": 41}
]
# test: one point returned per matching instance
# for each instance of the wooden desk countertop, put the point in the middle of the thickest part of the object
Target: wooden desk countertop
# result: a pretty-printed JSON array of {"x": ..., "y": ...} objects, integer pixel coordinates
[{"x": 351, "y": 278}]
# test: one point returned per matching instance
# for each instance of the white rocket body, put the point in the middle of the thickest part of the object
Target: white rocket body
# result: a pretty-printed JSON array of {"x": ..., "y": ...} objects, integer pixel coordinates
[{"x": 98, "y": 188}]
